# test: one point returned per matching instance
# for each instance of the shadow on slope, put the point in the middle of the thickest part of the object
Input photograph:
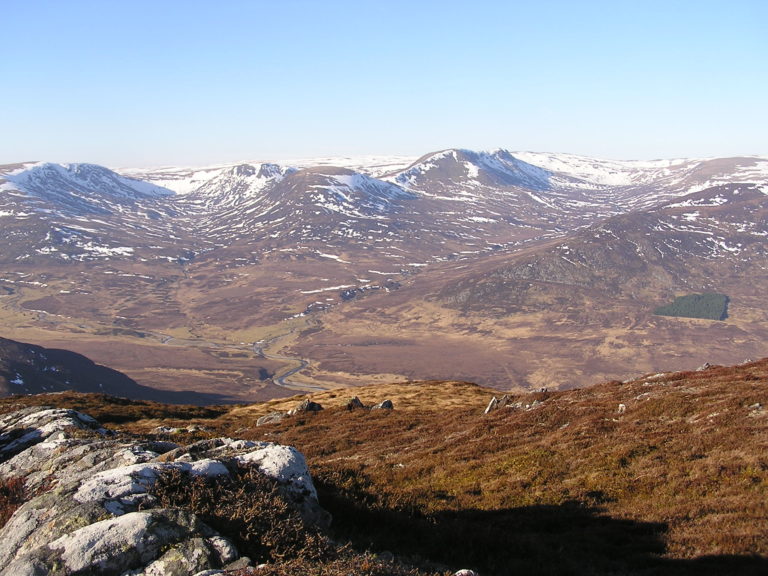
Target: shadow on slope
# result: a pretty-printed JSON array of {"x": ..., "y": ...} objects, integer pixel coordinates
[
  {"x": 31, "y": 369},
  {"x": 542, "y": 539}
]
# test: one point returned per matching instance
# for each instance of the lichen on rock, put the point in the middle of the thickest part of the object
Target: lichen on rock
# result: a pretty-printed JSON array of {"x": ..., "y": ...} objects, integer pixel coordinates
[{"x": 93, "y": 510}]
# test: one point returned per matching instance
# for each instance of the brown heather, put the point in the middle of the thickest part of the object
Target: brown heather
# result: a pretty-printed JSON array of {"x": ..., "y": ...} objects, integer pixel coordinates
[
  {"x": 12, "y": 495},
  {"x": 673, "y": 482},
  {"x": 248, "y": 506}
]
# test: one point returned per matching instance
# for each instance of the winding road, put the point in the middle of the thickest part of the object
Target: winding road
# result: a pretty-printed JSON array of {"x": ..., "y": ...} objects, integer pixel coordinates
[{"x": 260, "y": 349}]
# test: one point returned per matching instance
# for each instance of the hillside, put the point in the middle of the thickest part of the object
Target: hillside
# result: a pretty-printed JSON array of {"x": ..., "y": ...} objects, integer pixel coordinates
[
  {"x": 28, "y": 369},
  {"x": 666, "y": 473}
]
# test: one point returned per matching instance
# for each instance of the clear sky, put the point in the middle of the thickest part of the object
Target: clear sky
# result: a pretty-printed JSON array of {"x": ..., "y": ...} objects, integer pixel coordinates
[{"x": 159, "y": 82}]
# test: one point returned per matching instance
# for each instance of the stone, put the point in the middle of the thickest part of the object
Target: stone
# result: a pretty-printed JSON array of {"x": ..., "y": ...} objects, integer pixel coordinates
[
  {"x": 111, "y": 546},
  {"x": 354, "y": 404},
  {"x": 188, "y": 557},
  {"x": 271, "y": 418},
  {"x": 385, "y": 405},
  {"x": 27, "y": 427},
  {"x": 305, "y": 406},
  {"x": 492, "y": 405},
  {"x": 386, "y": 556},
  {"x": 239, "y": 564},
  {"x": 284, "y": 464},
  {"x": 497, "y": 403}
]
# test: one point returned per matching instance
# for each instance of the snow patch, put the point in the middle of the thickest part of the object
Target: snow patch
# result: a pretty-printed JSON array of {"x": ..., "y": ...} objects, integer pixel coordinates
[
  {"x": 332, "y": 257},
  {"x": 329, "y": 289}
]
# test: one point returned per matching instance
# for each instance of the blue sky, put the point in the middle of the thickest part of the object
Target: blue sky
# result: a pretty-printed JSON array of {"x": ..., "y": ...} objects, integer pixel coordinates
[{"x": 149, "y": 83}]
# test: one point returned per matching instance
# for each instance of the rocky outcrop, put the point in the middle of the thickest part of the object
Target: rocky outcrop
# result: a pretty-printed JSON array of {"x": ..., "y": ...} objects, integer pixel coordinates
[
  {"x": 302, "y": 408},
  {"x": 355, "y": 404},
  {"x": 305, "y": 406},
  {"x": 506, "y": 402},
  {"x": 92, "y": 508},
  {"x": 271, "y": 418},
  {"x": 496, "y": 403}
]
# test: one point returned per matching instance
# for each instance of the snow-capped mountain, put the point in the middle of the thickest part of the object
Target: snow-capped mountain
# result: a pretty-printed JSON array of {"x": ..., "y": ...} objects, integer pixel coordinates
[
  {"x": 710, "y": 240},
  {"x": 449, "y": 202},
  {"x": 636, "y": 184},
  {"x": 469, "y": 169},
  {"x": 81, "y": 188},
  {"x": 83, "y": 212},
  {"x": 235, "y": 187}
]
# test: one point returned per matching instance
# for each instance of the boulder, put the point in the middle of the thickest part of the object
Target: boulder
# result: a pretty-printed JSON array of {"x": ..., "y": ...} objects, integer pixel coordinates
[
  {"x": 305, "y": 406},
  {"x": 355, "y": 404},
  {"x": 385, "y": 405},
  {"x": 271, "y": 418},
  {"x": 496, "y": 403}
]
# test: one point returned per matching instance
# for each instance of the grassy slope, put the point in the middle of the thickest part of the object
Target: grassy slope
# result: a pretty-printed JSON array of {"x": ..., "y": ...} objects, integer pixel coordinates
[{"x": 676, "y": 480}]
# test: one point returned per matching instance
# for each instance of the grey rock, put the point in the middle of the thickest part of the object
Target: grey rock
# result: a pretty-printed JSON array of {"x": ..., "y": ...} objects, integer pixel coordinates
[
  {"x": 386, "y": 556},
  {"x": 239, "y": 564},
  {"x": 94, "y": 512},
  {"x": 305, "y": 406},
  {"x": 111, "y": 546},
  {"x": 190, "y": 556},
  {"x": 385, "y": 405},
  {"x": 271, "y": 418},
  {"x": 29, "y": 426},
  {"x": 492, "y": 405},
  {"x": 496, "y": 403},
  {"x": 355, "y": 404}
]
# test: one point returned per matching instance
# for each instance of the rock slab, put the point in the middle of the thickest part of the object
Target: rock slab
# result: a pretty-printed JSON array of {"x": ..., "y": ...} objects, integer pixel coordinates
[{"x": 92, "y": 510}]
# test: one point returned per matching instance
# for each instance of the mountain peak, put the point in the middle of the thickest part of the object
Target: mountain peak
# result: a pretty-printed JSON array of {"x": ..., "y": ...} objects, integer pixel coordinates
[
  {"x": 462, "y": 167},
  {"x": 81, "y": 188}
]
